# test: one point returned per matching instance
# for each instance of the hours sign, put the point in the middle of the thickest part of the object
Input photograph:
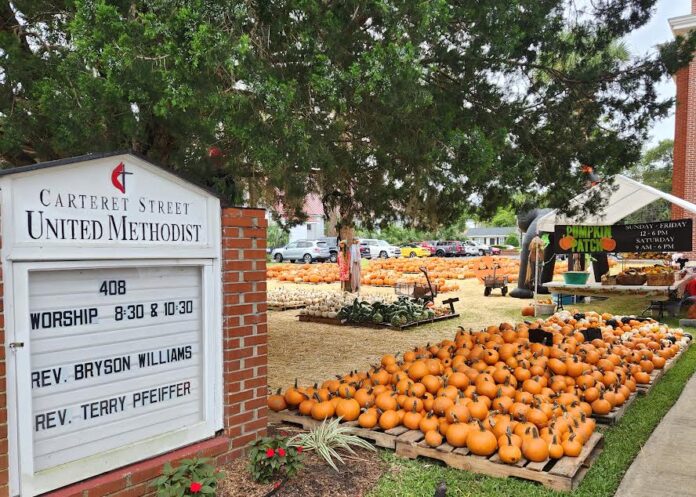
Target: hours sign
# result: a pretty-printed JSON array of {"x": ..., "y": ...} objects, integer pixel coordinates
[
  {"x": 114, "y": 322},
  {"x": 662, "y": 236}
]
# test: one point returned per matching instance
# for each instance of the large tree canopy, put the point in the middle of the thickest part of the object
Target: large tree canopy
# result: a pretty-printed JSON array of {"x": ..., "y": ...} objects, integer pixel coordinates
[{"x": 386, "y": 108}]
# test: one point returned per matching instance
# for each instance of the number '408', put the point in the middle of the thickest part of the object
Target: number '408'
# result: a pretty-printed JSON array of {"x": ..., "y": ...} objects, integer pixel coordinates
[{"x": 113, "y": 287}]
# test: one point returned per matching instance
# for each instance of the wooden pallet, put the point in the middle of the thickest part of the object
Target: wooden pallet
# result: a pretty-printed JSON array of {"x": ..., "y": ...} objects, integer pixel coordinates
[
  {"x": 318, "y": 319},
  {"x": 564, "y": 474},
  {"x": 617, "y": 413},
  {"x": 286, "y": 307},
  {"x": 335, "y": 321},
  {"x": 658, "y": 373}
]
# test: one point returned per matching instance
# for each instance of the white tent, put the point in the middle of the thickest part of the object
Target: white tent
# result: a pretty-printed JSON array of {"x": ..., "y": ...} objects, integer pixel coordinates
[{"x": 625, "y": 197}]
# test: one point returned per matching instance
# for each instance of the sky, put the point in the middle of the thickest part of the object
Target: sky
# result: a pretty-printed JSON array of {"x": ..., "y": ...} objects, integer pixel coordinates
[{"x": 655, "y": 32}]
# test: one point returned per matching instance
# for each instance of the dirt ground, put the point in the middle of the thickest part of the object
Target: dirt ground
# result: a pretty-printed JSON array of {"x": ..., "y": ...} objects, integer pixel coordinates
[
  {"x": 355, "y": 478},
  {"x": 313, "y": 352}
]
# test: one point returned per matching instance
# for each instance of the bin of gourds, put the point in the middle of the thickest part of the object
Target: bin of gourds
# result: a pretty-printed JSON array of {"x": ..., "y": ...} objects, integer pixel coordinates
[{"x": 494, "y": 390}]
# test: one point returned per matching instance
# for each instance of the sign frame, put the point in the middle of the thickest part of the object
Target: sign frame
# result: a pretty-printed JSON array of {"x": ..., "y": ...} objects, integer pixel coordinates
[{"x": 19, "y": 361}]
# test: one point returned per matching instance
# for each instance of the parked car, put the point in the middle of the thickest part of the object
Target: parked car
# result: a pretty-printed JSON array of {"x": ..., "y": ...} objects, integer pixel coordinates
[
  {"x": 470, "y": 248},
  {"x": 444, "y": 248},
  {"x": 414, "y": 250},
  {"x": 473, "y": 248},
  {"x": 495, "y": 250},
  {"x": 331, "y": 242},
  {"x": 430, "y": 246},
  {"x": 381, "y": 248},
  {"x": 307, "y": 251},
  {"x": 365, "y": 251},
  {"x": 458, "y": 247}
]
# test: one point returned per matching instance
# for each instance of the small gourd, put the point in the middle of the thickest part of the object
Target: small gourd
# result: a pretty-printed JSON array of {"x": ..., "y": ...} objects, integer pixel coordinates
[
  {"x": 277, "y": 402},
  {"x": 509, "y": 453},
  {"x": 481, "y": 441}
]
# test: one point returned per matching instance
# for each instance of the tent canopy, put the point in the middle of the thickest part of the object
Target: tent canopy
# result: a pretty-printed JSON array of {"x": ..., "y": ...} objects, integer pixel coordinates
[{"x": 626, "y": 197}]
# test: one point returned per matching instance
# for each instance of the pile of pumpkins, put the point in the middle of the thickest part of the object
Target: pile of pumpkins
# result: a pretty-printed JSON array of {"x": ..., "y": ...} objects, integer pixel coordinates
[
  {"x": 390, "y": 272},
  {"x": 298, "y": 296},
  {"x": 303, "y": 273},
  {"x": 497, "y": 391}
]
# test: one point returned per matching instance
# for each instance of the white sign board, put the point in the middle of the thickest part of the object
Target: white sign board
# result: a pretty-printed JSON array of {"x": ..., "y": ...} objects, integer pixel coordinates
[
  {"x": 117, "y": 353},
  {"x": 114, "y": 202},
  {"x": 109, "y": 346}
]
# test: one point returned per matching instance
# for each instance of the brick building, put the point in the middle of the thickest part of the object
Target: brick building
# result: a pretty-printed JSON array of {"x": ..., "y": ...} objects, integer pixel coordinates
[{"x": 684, "y": 175}]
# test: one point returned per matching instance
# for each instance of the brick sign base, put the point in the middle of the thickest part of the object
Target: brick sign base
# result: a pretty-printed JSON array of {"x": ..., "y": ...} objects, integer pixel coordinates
[{"x": 245, "y": 353}]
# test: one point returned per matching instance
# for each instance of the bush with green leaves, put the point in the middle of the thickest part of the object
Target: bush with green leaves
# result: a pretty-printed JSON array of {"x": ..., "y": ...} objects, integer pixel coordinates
[
  {"x": 512, "y": 239},
  {"x": 195, "y": 476},
  {"x": 272, "y": 458},
  {"x": 329, "y": 436}
]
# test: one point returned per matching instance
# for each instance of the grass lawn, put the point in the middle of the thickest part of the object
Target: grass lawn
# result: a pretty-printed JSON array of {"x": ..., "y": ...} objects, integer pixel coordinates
[{"x": 623, "y": 441}]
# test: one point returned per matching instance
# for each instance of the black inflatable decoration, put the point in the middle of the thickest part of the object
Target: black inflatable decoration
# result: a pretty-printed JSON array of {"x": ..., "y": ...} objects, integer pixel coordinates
[
  {"x": 527, "y": 222},
  {"x": 600, "y": 266}
]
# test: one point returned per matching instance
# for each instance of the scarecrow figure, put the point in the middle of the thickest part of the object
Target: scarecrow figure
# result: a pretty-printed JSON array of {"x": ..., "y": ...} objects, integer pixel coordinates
[
  {"x": 344, "y": 266},
  {"x": 355, "y": 266}
]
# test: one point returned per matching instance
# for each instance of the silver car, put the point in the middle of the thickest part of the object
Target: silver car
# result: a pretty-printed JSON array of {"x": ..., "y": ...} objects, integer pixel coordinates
[
  {"x": 306, "y": 251},
  {"x": 380, "y": 248}
]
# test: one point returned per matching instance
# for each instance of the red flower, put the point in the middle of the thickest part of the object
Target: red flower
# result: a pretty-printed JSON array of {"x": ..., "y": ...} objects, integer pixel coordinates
[
  {"x": 270, "y": 453},
  {"x": 281, "y": 452},
  {"x": 276, "y": 484},
  {"x": 299, "y": 450},
  {"x": 195, "y": 487}
]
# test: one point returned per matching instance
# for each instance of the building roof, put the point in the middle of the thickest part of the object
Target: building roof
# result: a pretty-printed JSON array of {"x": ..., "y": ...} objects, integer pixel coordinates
[
  {"x": 104, "y": 155},
  {"x": 312, "y": 206},
  {"x": 491, "y": 231}
]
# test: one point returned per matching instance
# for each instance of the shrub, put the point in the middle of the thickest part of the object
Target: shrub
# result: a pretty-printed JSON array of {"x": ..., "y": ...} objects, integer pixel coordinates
[
  {"x": 192, "y": 477},
  {"x": 329, "y": 436},
  {"x": 512, "y": 239},
  {"x": 273, "y": 457}
]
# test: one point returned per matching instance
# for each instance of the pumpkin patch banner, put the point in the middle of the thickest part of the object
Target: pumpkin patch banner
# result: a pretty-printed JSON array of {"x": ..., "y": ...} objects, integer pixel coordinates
[{"x": 663, "y": 236}]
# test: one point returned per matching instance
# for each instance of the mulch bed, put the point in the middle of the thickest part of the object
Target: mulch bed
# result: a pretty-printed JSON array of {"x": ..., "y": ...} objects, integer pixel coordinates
[{"x": 355, "y": 478}]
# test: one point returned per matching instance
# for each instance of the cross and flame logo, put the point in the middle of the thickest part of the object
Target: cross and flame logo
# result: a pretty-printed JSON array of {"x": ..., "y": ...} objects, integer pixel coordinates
[{"x": 118, "y": 177}]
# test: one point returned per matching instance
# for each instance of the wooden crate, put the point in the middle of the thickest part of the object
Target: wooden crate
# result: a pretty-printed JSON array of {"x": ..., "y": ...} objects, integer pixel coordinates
[
  {"x": 285, "y": 307},
  {"x": 305, "y": 318},
  {"x": 316, "y": 319},
  {"x": 564, "y": 474}
]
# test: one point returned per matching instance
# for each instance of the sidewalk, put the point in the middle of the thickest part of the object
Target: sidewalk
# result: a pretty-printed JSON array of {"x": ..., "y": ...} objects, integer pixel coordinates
[{"x": 666, "y": 465}]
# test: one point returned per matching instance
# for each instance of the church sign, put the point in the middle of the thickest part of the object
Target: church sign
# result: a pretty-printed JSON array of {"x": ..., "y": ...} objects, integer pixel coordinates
[{"x": 113, "y": 316}]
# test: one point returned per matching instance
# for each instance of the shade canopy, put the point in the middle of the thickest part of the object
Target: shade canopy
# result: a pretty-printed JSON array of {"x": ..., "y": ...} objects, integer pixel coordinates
[{"x": 625, "y": 198}]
